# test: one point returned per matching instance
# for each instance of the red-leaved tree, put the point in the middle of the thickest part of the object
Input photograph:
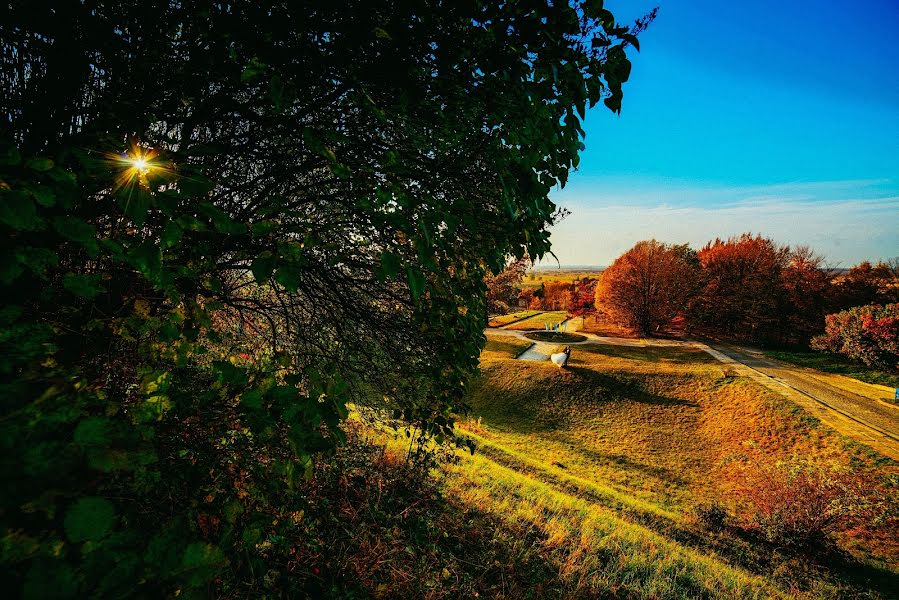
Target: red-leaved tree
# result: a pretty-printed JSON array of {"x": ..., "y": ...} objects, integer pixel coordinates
[
  {"x": 869, "y": 334},
  {"x": 649, "y": 285}
]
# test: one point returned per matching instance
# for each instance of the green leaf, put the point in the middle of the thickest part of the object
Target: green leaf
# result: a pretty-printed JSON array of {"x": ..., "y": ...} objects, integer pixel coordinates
[
  {"x": 171, "y": 235},
  {"x": 592, "y": 8},
  {"x": 232, "y": 510},
  {"x": 195, "y": 185},
  {"x": 94, "y": 431},
  {"x": 390, "y": 264},
  {"x": 228, "y": 374},
  {"x": 263, "y": 267},
  {"x": 146, "y": 258},
  {"x": 136, "y": 204},
  {"x": 340, "y": 170},
  {"x": 202, "y": 562},
  {"x": 251, "y": 399},
  {"x": 86, "y": 286},
  {"x": 221, "y": 220},
  {"x": 43, "y": 195},
  {"x": 253, "y": 70},
  {"x": 76, "y": 230},
  {"x": 632, "y": 39},
  {"x": 89, "y": 519},
  {"x": 416, "y": 281},
  {"x": 9, "y": 154},
  {"x": 289, "y": 277},
  {"x": 39, "y": 164},
  {"x": 19, "y": 212}
]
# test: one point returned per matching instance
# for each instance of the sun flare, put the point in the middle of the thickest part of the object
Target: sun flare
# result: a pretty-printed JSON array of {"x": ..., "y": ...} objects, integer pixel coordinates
[{"x": 137, "y": 164}]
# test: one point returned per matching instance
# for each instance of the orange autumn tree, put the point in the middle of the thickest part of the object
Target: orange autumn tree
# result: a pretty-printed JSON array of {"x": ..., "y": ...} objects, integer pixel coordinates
[
  {"x": 742, "y": 293},
  {"x": 649, "y": 285},
  {"x": 557, "y": 295}
]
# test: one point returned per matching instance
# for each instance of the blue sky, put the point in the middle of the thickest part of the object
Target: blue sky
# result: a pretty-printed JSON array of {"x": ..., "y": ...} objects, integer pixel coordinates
[{"x": 772, "y": 117}]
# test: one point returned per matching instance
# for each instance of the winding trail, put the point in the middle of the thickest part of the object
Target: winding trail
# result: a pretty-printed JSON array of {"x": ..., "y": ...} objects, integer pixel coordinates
[{"x": 869, "y": 421}]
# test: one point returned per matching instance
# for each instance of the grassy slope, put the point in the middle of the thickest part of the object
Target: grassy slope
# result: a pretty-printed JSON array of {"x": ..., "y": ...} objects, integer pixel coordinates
[
  {"x": 503, "y": 347},
  {"x": 538, "y": 321},
  {"x": 840, "y": 365},
  {"x": 606, "y": 459},
  {"x": 506, "y": 319}
]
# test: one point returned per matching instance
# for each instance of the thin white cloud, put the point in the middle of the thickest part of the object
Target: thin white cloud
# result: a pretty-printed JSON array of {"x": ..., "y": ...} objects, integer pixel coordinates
[{"x": 846, "y": 221}]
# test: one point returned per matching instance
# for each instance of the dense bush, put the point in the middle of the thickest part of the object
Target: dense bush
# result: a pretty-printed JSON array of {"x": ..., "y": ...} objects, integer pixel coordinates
[
  {"x": 371, "y": 522},
  {"x": 869, "y": 334},
  {"x": 803, "y": 506},
  {"x": 503, "y": 288},
  {"x": 221, "y": 224}
]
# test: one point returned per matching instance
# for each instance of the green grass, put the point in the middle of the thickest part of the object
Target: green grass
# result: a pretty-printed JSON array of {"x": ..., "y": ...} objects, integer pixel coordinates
[
  {"x": 839, "y": 365},
  {"x": 539, "y": 321},
  {"x": 512, "y": 317},
  {"x": 504, "y": 347},
  {"x": 606, "y": 460}
]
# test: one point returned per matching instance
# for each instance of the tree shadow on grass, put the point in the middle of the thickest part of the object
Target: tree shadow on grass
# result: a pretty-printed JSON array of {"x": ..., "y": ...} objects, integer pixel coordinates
[
  {"x": 621, "y": 388},
  {"x": 623, "y": 461}
]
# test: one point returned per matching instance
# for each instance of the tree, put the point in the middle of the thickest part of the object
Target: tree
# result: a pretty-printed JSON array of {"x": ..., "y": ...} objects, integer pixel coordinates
[
  {"x": 503, "y": 289},
  {"x": 649, "y": 285},
  {"x": 865, "y": 284},
  {"x": 742, "y": 293},
  {"x": 583, "y": 297},
  {"x": 222, "y": 223},
  {"x": 557, "y": 295},
  {"x": 807, "y": 283},
  {"x": 869, "y": 334}
]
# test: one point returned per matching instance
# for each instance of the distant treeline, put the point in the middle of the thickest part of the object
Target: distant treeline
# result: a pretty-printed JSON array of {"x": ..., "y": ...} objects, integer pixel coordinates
[{"x": 748, "y": 288}]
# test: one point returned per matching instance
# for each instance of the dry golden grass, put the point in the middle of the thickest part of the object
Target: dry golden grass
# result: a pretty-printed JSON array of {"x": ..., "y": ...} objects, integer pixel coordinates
[
  {"x": 499, "y": 346},
  {"x": 608, "y": 458}
]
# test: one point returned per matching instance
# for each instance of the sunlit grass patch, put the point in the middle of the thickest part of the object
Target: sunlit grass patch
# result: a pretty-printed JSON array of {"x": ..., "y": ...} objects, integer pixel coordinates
[
  {"x": 597, "y": 552},
  {"x": 512, "y": 317},
  {"x": 503, "y": 347},
  {"x": 541, "y": 320}
]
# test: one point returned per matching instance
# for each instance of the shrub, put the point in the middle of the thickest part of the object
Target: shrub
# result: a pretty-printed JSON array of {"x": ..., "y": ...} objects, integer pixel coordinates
[
  {"x": 869, "y": 334},
  {"x": 712, "y": 515},
  {"x": 802, "y": 506}
]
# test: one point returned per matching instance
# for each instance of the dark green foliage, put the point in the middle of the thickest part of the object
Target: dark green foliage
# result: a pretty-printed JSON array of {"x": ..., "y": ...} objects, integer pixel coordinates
[{"x": 329, "y": 183}]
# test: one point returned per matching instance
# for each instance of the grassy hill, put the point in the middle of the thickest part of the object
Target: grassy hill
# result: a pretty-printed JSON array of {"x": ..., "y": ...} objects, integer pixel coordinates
[{"x": 605, "y": 463}]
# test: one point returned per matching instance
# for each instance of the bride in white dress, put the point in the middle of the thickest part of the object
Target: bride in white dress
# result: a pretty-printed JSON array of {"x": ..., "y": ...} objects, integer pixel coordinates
[{"x": 560, "y": 359}]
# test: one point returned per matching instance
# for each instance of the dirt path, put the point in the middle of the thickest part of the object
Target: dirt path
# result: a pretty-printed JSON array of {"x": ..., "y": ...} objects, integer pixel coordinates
[{"x": 865, "y": 420}]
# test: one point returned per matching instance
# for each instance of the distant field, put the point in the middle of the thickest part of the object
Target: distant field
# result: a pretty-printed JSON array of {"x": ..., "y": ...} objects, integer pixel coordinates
[
  {"x": 604, "y": 462},
  {"x": 539, "y": 321},
  {"x": 534, "y": 279},
  {"x": 834, "y": 363}
]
